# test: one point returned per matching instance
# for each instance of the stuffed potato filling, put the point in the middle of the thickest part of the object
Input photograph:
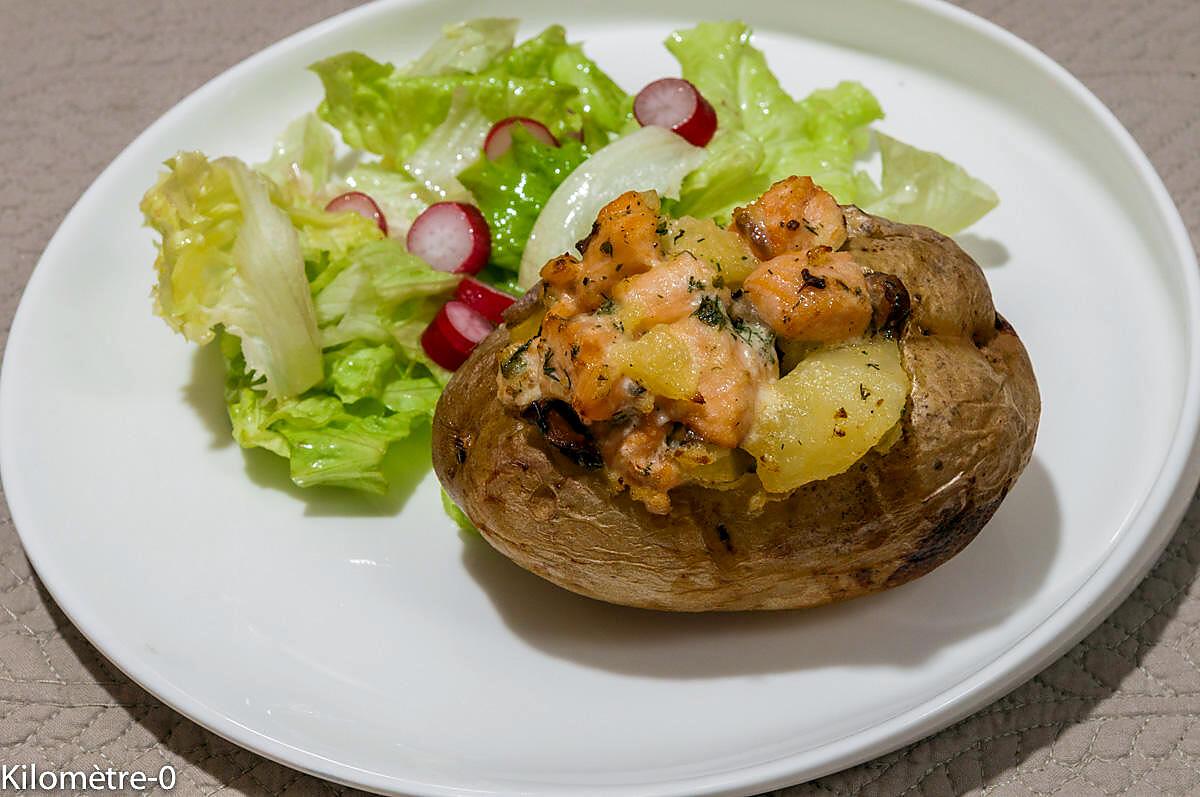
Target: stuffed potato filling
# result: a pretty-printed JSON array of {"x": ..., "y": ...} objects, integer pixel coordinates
[{"x": 676, "y": 351}]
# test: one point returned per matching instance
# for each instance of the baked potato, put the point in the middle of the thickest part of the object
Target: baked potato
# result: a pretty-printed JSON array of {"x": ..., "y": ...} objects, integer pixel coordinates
[{"x": 602, "y": 439}]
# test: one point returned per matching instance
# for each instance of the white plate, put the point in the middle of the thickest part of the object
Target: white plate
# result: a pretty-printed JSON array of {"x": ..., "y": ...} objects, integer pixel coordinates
[{"x": 368, "y": 643}]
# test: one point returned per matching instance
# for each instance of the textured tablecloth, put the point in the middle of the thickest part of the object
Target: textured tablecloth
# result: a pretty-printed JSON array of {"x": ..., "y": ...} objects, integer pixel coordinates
[{"x": 79, "y": 80}]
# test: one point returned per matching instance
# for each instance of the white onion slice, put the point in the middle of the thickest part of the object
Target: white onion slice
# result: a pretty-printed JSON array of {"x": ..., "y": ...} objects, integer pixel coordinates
[{"x": 651, "y": 158}]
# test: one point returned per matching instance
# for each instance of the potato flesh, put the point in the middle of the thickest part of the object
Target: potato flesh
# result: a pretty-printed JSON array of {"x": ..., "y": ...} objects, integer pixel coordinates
[
  {"x": 726, "y": 251},
  {"x": 527, "y": 329},
  {"x": 661, "y": 362},
  {"x": 827, "y": 413}
]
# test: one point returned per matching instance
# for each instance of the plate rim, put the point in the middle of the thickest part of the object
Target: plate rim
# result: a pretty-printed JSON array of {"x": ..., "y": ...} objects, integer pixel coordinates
[{"x": 1118, "y": 572}]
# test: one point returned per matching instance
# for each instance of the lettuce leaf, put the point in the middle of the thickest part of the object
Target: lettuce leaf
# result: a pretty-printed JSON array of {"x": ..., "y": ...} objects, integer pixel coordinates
[
  {"x": 230, "y": 257},
  {"x": 599, "y": 104},
  {"x": 466, "y": 47},
  {"x": 456, "y": 514},
  {"x": 391, "y": 111},
  {"x": 453, "y": 146},
  {"x": 399, "y": 196},
  {"x": 512, "y": 190},
  {"x": 764, "y": 135},
  {"x": 920, "y": 187},
  {"x": 327, "y": 439},
  {"x": 259, "y": 265},
  {"x": 302, "y": 160}
]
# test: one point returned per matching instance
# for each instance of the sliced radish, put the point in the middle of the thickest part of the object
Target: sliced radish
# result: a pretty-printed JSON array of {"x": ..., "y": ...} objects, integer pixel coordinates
[
  {"x": 484, "y": 299},
  {"x": 499, "y": 138},
  {"x": 677, "y": 105},
  {"x": 360, "y": 203},
  {"x": 451, "y": 236},
  {"x": 453, "y": 334}
]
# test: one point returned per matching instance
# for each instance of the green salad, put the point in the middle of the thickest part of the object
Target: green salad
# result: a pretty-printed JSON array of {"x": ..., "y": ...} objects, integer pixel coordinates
[{"x": 343, "y": 288}]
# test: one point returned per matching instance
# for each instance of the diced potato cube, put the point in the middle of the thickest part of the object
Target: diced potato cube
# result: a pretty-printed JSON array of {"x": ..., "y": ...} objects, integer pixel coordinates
[
  {"x": 725, "y": 251},
  {"x": 715, "y": 466},
  {"x": 659, "y": 361},
  {"x": 829, "y": 411}
]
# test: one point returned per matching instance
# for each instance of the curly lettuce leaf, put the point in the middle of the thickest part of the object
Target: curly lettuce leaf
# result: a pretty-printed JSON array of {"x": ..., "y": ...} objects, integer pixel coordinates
[
  {"x": 377, "y": 383},
  {"x": 456, "y": 514},
  {"x": 599, "y": 104},
  {"x": 391, "y": 111},
  {"x": 764, "y": 135},
  {"x": 230, "y": 257},
  {"x": 302, "y": 159},
  {"x": 373, "y": 290},
  {"x": 453, "y": 146},
  {"x": 328, "y": 439},
  {"x": 261, "y": 266},
  {"x": 512, "y": 190},
  {"x": 466, "y": 47},
  {"x": 399, "y": 196},
  {"x": 920, "y": 187}
]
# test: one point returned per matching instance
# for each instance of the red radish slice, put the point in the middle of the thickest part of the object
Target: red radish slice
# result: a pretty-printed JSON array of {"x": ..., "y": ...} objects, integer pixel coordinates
[
  {"x": 360, "y": 203},
  {"x": 675, "y": 104},
  {"x": 483, "y": 299},
  {"x": 451, "y": 236},
  {"x": 499, "y": 138},
  {"x": 453, "y": 334}
]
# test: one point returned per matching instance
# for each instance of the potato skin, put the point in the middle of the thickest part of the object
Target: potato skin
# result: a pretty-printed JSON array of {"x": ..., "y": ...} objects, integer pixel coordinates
[{"x": 969, "y": 432}]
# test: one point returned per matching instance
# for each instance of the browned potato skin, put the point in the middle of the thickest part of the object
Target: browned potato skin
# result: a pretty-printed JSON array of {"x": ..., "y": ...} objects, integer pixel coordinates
[{"x": 892, "y": 517}]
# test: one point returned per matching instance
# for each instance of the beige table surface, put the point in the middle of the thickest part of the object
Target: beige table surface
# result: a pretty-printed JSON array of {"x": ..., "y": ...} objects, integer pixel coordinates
[{"x": 79, "y": 80}]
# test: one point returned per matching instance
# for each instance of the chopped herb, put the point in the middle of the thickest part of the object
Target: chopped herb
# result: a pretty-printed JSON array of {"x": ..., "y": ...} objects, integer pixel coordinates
[
  {"x": 873, "y": 365},
  {"x": 548, "y": 366},
  {"x": 753, "y": 334},
  {"x": 694, "y": 285},
  {"x": 606, "y": 248},
  {"x": 811, "y": 280},
  {"x": 636, "y": 389},
  {"x": 718, "y": 281},
  {"x": 515, "y": 363},
  {"x": 661, "y": 229},
  {"x": 793, "y": 224},
  {"x": 710, "y": 312},
  {"x": 862, "y": 391},
  {"x": 574, "y": 351},
  {"x": 585, "y": 280},
  {"x": 677, "y": 436},
  {"x": 811, "y": 228},
  {"x": 841, "y": 413},
  {"x": 678, "y": 235},
  {"x": 607, "y": 306},
  {"x": 736, "y": 294},
  {"x": 839, "y": 432}
]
